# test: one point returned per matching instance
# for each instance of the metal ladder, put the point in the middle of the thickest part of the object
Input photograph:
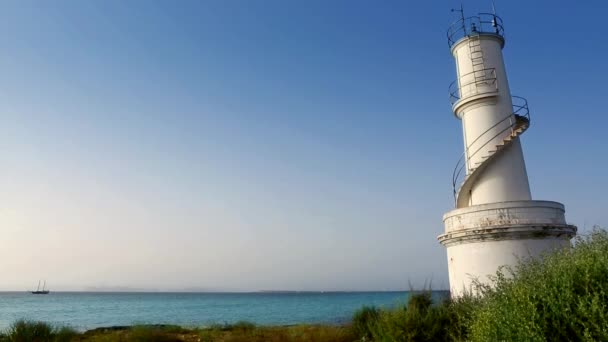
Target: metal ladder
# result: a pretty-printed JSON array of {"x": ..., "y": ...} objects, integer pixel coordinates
[{"x": 476, "y": 54}]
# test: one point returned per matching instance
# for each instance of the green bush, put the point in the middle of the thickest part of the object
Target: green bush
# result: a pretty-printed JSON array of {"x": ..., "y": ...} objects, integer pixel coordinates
[
  {"x": 29, "y": 331},
  {"x": 562, "y": 296},
  {"x": 460, "y": 316},
  {"x": 419, "y": 320},
  {"x": 64, "y": 334},
  {"x": 363, "y": 321}
]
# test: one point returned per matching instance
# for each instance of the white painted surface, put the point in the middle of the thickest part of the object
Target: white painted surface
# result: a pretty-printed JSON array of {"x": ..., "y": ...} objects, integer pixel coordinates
[
  {"x": 501, "y": 224},
  {"x": 467, "y": 262},
  {"x": 505, "y": 178},
  {"x": 482, "y": 117}
]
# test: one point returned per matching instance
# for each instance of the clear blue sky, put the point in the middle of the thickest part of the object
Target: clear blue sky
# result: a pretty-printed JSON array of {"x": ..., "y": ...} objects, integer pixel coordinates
[{"x": 248, "y": 145}]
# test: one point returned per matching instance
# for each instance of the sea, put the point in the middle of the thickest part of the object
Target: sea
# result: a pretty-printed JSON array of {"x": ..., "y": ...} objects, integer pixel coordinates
[{"x": 89, "y": 310}]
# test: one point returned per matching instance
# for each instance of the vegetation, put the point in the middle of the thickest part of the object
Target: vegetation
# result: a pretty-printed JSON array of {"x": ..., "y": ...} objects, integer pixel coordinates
[
  {"x": 26, "y": 331},
  {"x": 419, "y": 320},
  {"x": 562, "y": 296},
  {"x": 242, "y": 332},
  {"x": 364, "y": 320},
  {"x": 23, "y": 331}
]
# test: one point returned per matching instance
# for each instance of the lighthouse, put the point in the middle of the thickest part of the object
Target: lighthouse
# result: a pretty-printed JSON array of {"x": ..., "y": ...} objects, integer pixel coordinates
[{"x": 495, "y": 221}]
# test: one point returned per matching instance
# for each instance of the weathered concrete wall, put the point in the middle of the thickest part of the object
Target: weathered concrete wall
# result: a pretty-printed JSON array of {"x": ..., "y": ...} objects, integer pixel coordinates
[
  {"x": 477, "y": 261},
  {"x": 482, "y": 238}
]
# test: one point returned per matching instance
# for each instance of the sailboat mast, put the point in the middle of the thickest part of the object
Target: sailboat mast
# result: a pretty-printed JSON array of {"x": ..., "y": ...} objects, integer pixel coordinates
[
  {"x": 43, "y": 286},
  {"x": 38, "y": 288}
]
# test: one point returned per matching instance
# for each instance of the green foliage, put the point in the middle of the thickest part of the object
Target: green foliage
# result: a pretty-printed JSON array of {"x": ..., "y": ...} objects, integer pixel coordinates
[
  {"x": 562, "y": 296},
  {"x": 460, "y": 316},
  {"x": 64, "y": 334},
  {"x": 419, "y": 320},
  {"x": 363, "y": 321},
  {"x": 30, "y": 331}
]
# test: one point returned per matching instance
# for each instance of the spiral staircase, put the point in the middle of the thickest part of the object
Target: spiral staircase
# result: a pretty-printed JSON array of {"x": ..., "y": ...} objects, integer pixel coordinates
[
  {"x": 463, "y": 181},
  {"x": 479, "y": 154}
]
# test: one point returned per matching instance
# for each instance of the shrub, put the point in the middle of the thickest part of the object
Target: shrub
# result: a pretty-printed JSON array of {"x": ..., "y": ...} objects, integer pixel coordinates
[
  {"x": 460, "y": 316},
  {"x": 562, "y": 296},
  {"x": 419, "y": 320},
  {"x": 32, "y": 331},
  {"x": 363, "y": 320},
  {"x": 64, "y": 334},
  {"x": 26, "y": 331}
]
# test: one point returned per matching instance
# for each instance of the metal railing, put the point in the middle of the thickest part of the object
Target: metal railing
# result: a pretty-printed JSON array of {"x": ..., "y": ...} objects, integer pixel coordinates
[
  {"x": 481, "y": 23},
  {"x": 520, "y": 109},
  {"x": 476, "y": 84}
]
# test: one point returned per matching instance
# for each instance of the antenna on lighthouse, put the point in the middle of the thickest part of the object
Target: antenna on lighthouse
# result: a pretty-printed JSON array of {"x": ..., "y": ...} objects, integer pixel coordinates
[
  {"x": 461, "y": 10},
  {"x": 494, "y": 23},
  {"x": 461, "y": 21}
]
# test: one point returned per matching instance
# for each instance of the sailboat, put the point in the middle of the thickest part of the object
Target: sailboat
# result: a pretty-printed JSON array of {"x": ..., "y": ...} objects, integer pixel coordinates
[{"x": 43, "y": 291}]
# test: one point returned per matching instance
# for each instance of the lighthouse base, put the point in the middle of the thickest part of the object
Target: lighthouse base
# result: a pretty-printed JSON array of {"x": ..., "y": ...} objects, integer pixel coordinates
[{"x": 482, "y": 238}]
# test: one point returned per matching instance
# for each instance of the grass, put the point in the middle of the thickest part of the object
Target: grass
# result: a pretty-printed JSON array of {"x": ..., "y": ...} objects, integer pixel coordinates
[
  {"x": 561, "y": 296},
  {"x": 28, "y": 331},
  {"x": 31, "y": 331},
  {"x": 250, "y": 332}
]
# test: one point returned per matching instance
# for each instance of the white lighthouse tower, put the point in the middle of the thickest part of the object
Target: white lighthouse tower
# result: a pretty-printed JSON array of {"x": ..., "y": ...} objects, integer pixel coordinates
[{"x": 495, "y": 222}]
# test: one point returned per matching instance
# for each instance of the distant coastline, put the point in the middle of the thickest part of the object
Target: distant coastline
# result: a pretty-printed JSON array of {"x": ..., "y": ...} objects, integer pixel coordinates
[{"x": 145, "y": 291}]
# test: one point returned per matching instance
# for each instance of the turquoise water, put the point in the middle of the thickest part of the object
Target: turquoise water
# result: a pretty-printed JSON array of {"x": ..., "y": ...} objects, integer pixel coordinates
[{"x": 88, "y": 310}]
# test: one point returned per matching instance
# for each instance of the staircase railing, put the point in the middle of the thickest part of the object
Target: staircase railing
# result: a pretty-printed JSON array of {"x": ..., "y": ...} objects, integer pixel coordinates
[
  {"x": 520, "y": 109},
  {"x": 481, "y": 23},
  {"x": 487, "y": 83}
]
